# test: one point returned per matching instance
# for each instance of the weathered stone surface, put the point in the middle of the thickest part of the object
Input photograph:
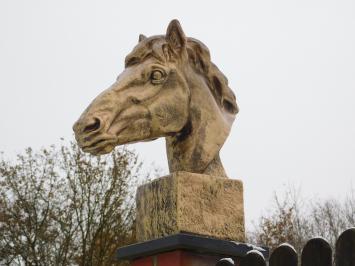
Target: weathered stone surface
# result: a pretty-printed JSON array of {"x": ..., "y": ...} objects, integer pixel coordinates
[
  {"x": 193, "y": 203},
  {"x": 169, "y": 88}
]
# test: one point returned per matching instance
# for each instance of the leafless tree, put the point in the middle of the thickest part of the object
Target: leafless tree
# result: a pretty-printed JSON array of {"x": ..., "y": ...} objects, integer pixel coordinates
[
  {"x": 60, "y": 206},
  {"x": 295, "y": 220}
]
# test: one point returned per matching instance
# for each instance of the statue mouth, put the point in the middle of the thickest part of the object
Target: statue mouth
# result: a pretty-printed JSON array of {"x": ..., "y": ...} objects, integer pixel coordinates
[{"x": 100, "y": 146}]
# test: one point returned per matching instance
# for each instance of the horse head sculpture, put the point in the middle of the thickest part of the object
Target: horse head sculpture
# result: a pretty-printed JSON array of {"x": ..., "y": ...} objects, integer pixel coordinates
[{"x": 169, "y": 88}]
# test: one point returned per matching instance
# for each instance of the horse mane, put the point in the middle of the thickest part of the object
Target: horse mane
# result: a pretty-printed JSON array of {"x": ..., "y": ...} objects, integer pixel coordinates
[{"x": 199, "y": 58}]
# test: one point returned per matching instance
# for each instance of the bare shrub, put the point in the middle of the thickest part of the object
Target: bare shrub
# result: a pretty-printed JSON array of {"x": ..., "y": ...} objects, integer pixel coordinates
[{"x": 60, "y": 206}]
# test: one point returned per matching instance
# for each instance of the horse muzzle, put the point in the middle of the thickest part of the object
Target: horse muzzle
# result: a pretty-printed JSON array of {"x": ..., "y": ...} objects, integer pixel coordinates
[{"x": 91, "y": 138}]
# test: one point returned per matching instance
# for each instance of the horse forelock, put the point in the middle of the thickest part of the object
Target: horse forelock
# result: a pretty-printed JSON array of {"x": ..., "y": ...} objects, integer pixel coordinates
[
  {"x": 198, "y": 57},
  {"x": 149, "y": 47}
]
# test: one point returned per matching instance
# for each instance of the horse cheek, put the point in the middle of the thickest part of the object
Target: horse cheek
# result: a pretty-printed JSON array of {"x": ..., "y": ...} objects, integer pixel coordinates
[
  {"x": 170, "y": 110},
  {"x": 168, "y": 116}
]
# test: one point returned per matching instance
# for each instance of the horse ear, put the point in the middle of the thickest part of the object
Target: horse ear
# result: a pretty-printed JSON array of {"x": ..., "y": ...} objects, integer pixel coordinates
[
  {"x": 175, "y": 35},
  {"x": 142, "y": 37}
]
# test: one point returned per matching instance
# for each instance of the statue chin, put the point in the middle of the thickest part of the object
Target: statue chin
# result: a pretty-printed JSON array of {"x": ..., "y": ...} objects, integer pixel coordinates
[{"x": 100, "y": 150}]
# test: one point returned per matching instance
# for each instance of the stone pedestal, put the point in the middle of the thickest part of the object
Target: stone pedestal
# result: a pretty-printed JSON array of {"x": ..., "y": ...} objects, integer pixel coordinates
[{"x": 190, "y": 203}]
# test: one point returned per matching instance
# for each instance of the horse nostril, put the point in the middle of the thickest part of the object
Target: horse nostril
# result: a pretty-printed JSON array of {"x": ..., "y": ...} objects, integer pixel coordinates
[{"x": 93, "y": 126}]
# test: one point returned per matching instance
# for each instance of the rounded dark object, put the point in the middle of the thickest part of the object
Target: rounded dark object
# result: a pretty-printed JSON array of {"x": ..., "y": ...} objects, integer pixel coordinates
[
  {"x": 253, "y": 259},
  {"x": 284, "y": 255},
  {"x": 345, "y": 249},
  {"x": 225, "y": 262},
  {"x": 317, "y": 252}
]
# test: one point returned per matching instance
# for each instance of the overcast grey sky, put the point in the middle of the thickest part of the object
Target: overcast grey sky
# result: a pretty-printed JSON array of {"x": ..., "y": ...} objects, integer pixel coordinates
[{"x": 291, "y": 65}]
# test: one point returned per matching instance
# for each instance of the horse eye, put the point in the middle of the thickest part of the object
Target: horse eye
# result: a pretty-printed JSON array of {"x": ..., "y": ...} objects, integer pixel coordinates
[{"x": 156, "y": 76}]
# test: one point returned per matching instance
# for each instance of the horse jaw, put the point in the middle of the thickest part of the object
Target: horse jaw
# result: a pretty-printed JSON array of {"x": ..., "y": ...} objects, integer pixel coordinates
[{"x": 198, "y": 151}]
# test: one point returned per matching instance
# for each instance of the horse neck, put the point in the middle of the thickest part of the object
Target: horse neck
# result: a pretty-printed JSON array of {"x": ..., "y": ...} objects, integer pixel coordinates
[
  {"x": 196, "y": 147},
  {"x": 180, "y": 159}
]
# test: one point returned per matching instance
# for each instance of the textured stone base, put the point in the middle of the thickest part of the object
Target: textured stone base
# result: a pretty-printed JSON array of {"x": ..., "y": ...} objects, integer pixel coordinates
[{"x": 192, "y": 203}]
